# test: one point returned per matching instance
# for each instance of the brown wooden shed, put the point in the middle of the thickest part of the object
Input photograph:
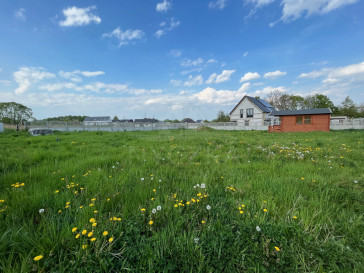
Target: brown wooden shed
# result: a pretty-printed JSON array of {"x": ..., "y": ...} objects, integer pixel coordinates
[{"x": 305, "y": 120}]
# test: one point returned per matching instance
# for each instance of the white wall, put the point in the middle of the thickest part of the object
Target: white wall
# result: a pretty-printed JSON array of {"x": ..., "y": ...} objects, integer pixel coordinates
[
  {"x": 258, "y": 116},
  {"x": 1, "y": 127}
]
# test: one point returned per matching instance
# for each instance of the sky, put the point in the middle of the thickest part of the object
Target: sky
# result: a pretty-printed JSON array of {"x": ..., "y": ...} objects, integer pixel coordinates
[{"x": 176, "y": 58}]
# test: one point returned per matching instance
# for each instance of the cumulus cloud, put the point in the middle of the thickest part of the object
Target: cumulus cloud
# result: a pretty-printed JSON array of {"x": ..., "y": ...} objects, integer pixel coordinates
[
  {"x": 175, "y": 53},
  {"x": 198, "y": 80},
  {"x": 259, "y": 3},
  {"x": 175, "y": 82},
  {"x": 274, "y": 74},
  {"x": 125, "y": 37},
  {"x": 223, "y": 77},
  {"x": 167, "y": 27},
  {"x": 79, "y": 17},
  {"x": 20, "y": 14},
  {"x": 218, "y": 4},
  {"x": 163, "y": 6},
  {"x": 213, "y": 96},
  {"x": 250, "y": 76},
  {"x": 26, "y": 76}
]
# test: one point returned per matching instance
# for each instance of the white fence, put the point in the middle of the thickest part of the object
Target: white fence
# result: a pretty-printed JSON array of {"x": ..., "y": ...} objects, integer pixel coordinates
[{"x": 135, "y": 126}]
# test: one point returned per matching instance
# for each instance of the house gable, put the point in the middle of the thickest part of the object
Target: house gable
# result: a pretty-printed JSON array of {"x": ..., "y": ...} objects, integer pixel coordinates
[{"x": 260, "y": 110}]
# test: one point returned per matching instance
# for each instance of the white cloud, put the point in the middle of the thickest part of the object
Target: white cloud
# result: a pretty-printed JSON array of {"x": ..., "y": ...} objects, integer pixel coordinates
[
  {"x": 79, "y": 17},
  {"x": 352, "y": 74},
  {"x": 274, "y": 74},
  {"x": 6, "y": 82},
  {"x": 20, "y": 14},
  {"x": 163, "y": 6},
  {"x": 75, "y": 75},
  {"x": 223, "y": 77},
  {"x": 293, "y": 9},
  {"x": 267, "y": 90},
  {"x": 244, "y": 87},
  {"x": 175, "y": 53},
  {"x": 250, "y": 76},
  {"x": 198, "y": 80},
  {"x": 212, "y": 96},
  {"x": 259, "y": 3},
  {"x": 125, "y": 37},
  {"x": 26, "y": 76},
  {"x": 189, "y": 62},
  {"x": 175, "y": 82},
  {"x": 167, "y": 27},
  {"x": 212, "y": 78},
  {"x": 211, "y": 61},
  {"x": 245, "y": 53},
  {"x": 218, "y": 4},
  {"x": 159, "y": 33}
]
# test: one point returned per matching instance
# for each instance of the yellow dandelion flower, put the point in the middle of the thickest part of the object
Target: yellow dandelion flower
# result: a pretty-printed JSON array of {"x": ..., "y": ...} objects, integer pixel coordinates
[
  {"x": 111, "y": 239},
  {"x": 239, "y": 208},
  {"x": 188, "y": 203},
  {"x": 77, "y": 236},
  {"x": 152, "y": 199},
  {"x": 90, "y": 234},
  {"x": 241, "y": 212},
  {"x": 142, "y": 209},
  {"x": 2, "y": 201},
  {"x": 57, "y": 191},
  {"x": 37, "y": 258},
  {"x": 108, "y": 199},
  {"x": 265, "y": 210},
  {"x": 93, "y": 239},
  {"x": 93, "y": 199},
  {"x": 150, "y": 222},
  {"x": 60, "y": 211},
  {"x": 277, "y": 248},
  {"x": 175, "y": 205},
  {"x": 84, "y": 246},
  {"x": 294, "y": 217},
  {"x": 81, "y": 207},
  {"x": 74, "y": 229},
  {"x": 203, "y": 222},
  {"x": 91, "y": 205},
  {"x": 119, "y": 219},
  {"x": 84, "y": 232},
  {"x": 92, "y": 220},
  {"x": 154, "y": 190},
  {"x": 94, "y": 224},
  {"x": 66, "y": 207},
  {"x": 105, "y": 233},
  {"x": 96, "y": 211}
]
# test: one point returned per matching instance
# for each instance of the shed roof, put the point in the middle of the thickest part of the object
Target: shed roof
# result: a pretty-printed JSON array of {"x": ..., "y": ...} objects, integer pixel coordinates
[
  {"x": 260, "y": 103},
  {"x": 315, "y": 111}
]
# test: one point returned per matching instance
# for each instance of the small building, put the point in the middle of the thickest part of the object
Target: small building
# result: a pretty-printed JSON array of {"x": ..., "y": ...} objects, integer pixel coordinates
[
  {"x": 252, "y": 111},
  {"x": 97, "y": 121},
  {"x": 305, "y": 120}
]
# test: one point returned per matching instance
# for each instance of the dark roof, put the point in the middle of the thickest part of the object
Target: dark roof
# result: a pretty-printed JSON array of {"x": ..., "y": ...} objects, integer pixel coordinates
[
  {"x": 146, "y": 120},
  {"x": 260, "y": 103},
  {"x": 104, "y": 118},
  {"x": 316, "y": 111}
]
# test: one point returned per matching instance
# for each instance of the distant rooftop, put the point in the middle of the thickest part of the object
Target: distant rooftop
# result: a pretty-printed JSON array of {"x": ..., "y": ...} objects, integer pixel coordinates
[{"x": 104, "y": 118}]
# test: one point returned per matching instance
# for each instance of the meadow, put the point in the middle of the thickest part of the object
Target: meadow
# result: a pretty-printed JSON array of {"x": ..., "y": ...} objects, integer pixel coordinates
[{"x": 182, "y": 201}]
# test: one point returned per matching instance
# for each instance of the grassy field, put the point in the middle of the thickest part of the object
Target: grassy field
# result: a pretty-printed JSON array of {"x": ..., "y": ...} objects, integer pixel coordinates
[{"x": 182, "y": 201}]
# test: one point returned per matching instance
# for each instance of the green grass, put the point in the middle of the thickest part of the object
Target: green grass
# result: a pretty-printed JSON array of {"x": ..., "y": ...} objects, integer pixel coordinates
[{"x": 297, "y": 188}]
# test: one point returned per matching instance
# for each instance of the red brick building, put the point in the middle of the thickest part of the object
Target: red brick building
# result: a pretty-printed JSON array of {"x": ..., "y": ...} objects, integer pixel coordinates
[{"x": 305, "y": 120}]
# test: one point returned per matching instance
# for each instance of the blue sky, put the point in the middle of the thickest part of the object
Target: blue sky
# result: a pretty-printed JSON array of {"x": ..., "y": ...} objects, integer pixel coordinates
[{"x": 176, "y": 58}]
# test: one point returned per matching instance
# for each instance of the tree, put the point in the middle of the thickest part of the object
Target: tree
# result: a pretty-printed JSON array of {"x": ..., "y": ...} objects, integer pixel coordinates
[
  {"x": 222, "y": 117},
  {"x": 115, "y": 118},
  {"x": 348, "y": 108},
  {"x": 14, "y": 113},
  {"x": 319, "y": 101}
]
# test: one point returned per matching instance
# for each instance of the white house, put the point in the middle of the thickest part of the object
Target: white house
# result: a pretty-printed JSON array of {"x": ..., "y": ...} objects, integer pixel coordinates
[
  {"x": 95, "y": 121},
  {"x": 251, "y": 111}
]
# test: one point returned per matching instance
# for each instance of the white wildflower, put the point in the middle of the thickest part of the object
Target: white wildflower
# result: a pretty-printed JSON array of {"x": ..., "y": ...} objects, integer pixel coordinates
[
  {"x": 355, "y": 181},
  {"x": 208, "y": 207},
  {"x": 41, "y": 210},
  {"x": 159, "y": 208},
  {"x": 196, "y": 240},
  {"x": 258, "y": 229},
  {"x": 203, "y": 186},
  {"x": 142, "y": 179},
  {"x": 154, "y": 210}
]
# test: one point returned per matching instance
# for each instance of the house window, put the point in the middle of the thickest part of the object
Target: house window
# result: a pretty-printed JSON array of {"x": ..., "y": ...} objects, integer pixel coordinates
[
  {"x": 247, "y": 123},
  {"x": 299, "y": 120},
  {"x": 307, "y": 119},
  {"x": 241, "y": 113},
  {"x": 249, "y": 112}
]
